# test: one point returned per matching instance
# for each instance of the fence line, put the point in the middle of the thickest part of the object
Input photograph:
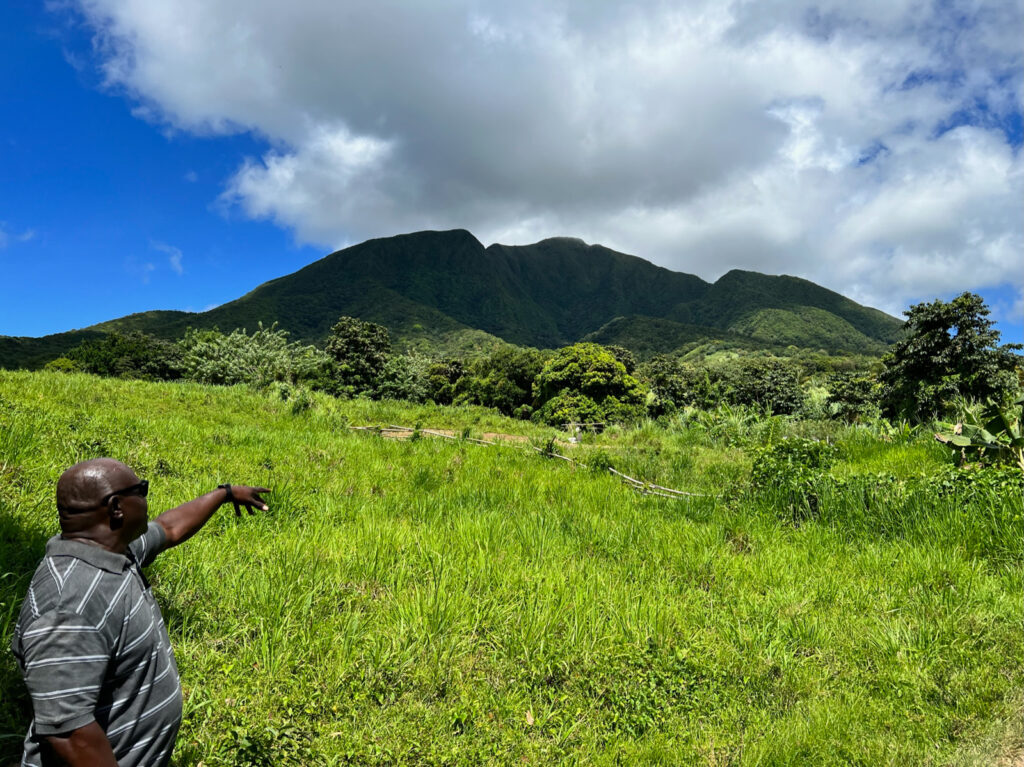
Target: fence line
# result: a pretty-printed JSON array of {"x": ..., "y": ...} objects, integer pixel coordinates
[{"x": 641, "y": 486}]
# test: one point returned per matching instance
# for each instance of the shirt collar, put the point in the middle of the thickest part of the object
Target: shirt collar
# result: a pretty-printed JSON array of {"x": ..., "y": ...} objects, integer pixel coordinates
[{"x": 87, "y": 552}]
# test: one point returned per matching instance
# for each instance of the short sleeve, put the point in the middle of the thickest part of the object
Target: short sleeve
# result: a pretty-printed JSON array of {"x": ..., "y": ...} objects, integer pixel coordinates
[
  {"x": 65, "y": 661},
  {"x": 149, "y": 544}
]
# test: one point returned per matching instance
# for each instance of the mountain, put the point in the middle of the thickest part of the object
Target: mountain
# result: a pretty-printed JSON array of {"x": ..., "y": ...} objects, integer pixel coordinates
[{"x": 439, "y": 287}]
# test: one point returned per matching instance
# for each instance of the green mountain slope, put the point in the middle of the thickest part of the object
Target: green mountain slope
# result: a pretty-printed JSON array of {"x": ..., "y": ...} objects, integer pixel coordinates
[
  {"x": 647, "y": 336},
  {"x": 739, "y": 294},
  {"x": 440, "y": 287}
]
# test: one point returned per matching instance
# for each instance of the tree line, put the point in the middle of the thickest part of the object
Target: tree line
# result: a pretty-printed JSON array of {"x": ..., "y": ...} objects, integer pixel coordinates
[{"x": 949, "y": 352}]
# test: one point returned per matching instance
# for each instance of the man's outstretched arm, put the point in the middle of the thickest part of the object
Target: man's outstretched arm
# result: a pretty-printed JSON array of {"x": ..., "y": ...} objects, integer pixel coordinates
[{"x": 182, "y": 522}]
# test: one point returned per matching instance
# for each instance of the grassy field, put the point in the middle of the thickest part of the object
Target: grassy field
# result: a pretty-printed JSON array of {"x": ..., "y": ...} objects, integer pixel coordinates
[{"x": 439, "y": 602}]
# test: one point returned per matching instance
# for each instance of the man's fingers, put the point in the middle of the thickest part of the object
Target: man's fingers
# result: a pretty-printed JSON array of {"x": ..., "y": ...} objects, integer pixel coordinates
[
  {"x": 256, "y": 493},
  {"x": 250, "y": 498}
]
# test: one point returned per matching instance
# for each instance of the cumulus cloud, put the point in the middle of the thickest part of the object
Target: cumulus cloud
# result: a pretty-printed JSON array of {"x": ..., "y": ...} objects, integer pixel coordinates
[{"x": 863, "y": 146}]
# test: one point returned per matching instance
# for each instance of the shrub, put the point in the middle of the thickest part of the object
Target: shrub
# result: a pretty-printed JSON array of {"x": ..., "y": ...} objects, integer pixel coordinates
[
  {"x": 258, "y": 359},
  {"x": 674, "y": 385},
  {"x": 62, "y": 365},
  {"x": 446, "y": 378},
  {"x": 788, "y": 470}
]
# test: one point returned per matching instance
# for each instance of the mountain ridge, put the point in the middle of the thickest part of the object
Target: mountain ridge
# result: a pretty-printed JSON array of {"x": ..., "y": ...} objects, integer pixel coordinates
[{"x": 432, "y": 285}]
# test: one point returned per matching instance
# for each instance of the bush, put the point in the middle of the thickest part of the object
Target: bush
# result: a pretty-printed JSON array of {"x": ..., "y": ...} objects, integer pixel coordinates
[
  {"x": 674, "y": 385},
  {"x": 259, "y": 359},
  {"x": 788, "y": 471},
  {"x": 446, "y": 379},
  {"x": 62, "y": 365}
]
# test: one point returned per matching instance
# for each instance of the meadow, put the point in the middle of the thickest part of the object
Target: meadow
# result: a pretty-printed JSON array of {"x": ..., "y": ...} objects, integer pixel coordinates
[{"x": 436, "y": 601}]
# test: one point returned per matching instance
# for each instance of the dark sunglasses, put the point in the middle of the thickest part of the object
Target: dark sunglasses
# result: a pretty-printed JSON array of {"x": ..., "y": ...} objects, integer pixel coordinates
[{"x": 141, "y": 489}]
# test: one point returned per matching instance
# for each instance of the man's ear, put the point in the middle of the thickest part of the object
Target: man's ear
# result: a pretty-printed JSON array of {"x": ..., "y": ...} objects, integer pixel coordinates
[{"x": 116, "y": 513}]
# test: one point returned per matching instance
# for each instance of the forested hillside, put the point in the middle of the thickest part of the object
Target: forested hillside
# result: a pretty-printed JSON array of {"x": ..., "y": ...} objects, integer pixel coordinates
[{"x": 434, "y": 288}]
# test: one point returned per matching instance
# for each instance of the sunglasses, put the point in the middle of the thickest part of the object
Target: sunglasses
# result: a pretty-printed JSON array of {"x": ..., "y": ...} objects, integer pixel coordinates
[{"x": 141, "y": 489}]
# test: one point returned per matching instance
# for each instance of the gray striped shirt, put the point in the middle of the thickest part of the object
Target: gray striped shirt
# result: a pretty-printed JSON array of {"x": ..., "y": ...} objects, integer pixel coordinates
[{"x": 91, "y": 644}]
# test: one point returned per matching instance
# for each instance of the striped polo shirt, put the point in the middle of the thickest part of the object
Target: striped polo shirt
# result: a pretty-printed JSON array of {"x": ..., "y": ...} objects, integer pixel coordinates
[{"x": 91, "y": 644}]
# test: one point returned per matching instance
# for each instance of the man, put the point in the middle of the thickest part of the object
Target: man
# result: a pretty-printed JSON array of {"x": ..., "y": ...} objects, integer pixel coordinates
[{"x": 90, "y": 640}]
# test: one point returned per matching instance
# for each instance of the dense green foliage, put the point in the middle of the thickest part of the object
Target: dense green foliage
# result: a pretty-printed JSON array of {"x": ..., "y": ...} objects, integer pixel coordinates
[
  {"x": 504, "y": 380},
  {"x": 258, "y": 359},
  {"x": 585, "y": 383},
  {"x": 440, "y": 602},
  {"x": 360, "y": 351},
  {"x": 950, "y": 349},
  {"x": 852, "y": 396},
  {"x": 443, "y": 292},
  {"x": 768, "y": 383},
  {"x": 128, "y": 355},
  {"x": 992, "y": 434}
]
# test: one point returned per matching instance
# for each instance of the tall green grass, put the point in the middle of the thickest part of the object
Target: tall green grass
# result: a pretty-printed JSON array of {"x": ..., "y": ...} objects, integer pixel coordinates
[{"x": 440, "y": 602}]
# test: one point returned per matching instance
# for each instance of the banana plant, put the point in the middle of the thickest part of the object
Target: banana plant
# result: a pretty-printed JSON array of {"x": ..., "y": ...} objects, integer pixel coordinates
[{"x": 995, "y": 432}]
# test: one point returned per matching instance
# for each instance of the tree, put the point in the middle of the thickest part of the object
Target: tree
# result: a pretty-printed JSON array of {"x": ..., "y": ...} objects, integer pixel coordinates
[
  {"x": 625, "y": 356},
  {"x": 504, "y": 380},
  {"x": 949, "y": 349},
  {"x": 674, "y": 384},
  {"x": 129, "y": 355},
  {"x": 445, "y": 380},
  {"x": 360, "y": 351},
  {"x": 404, "y": 376},
  {"x": 852, "y": 396},
  {"x": 584, "y": 383},
  {"x": 767, "y": 383}
]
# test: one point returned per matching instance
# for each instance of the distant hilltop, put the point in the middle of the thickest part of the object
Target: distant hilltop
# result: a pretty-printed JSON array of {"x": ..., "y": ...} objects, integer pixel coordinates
[{"x": 429, "y": 286}]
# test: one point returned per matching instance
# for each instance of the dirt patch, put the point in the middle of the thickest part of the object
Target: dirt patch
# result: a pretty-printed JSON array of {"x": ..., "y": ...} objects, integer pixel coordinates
[
  {"x": 396, "y": 434},
  {"x": 491, "y": 436}
]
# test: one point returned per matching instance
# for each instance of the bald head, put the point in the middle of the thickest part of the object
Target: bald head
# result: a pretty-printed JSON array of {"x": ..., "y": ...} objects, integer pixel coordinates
[{"x": 83, "y": 486}]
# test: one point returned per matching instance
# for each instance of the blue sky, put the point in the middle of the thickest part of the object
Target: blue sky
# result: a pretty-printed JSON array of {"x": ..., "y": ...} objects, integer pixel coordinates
[
  {"x": 95, "y": 202},
  {"x": 174, "y": 156}
]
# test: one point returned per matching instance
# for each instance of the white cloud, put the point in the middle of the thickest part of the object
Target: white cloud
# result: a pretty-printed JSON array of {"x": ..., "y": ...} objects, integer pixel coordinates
[
  {"x": 7, "y": 237},
  {"x": 796, "y": 137},
  {"x": 191, "y": 176},
  {"x": 174, "y": 256}
]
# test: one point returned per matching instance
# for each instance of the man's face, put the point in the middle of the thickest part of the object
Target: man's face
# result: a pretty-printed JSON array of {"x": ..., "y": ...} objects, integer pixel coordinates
[{"x": 134, "y": 506}]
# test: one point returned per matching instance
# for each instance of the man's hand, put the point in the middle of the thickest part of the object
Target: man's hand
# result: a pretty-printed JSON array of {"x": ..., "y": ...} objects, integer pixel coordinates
[
  {"x": 243, "y": 495},
  {"x": 182, "y": 522}
]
